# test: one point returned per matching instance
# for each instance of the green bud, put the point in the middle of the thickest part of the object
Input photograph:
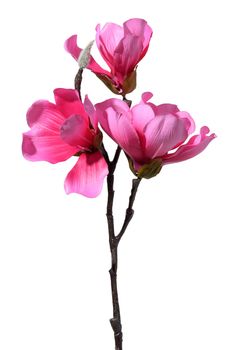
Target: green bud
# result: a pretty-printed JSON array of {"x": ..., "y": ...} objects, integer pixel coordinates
[
  {"x": 147, "y": 171},
  {"x": 129, "y": 83}
]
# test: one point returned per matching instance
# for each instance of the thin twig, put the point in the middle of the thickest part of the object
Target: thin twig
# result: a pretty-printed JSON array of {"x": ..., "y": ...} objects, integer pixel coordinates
[
  {"x": 78, "y": 81},
  {"x": 129, "y": 210}
]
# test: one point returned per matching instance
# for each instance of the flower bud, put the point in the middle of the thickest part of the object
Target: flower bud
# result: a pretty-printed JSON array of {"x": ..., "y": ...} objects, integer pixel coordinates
[
  {"x": 84, "y": 56},
  {"x": 147, "y": 171}
]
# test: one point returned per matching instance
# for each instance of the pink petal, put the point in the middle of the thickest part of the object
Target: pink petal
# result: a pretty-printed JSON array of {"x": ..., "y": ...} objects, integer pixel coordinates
[
  {"x": 39, "y": 144},
  {"x": 142, "y": 114},
  {"x": 43, "y": 141},
  {"x": 189, "y": 122},
  {"x": 107, "y": 40},
  {"x": 72, "y": 47},
  {"x": 124, "y": 62},
  {"x": 68, "y": 102},
  {"x": 87, "y": 176},
  {"x": 166, "y": 108},
  {"x": 162, "y": 134},
  {"x": 193, "y": 147},
  {"x": 75, "y": 131},
  {"x": 126, "y": 136},
  {"x": 146, "y": 96},
  {"x": 44, "y": 114},
  {"x": 90, "y": 110},
  {"x": 112, "y": 106},
  {"x": 140, "y": 28}
]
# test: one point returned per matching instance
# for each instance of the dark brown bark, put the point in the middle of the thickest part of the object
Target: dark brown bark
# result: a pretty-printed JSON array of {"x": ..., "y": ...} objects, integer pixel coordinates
[{"x": 114, "y": 242}]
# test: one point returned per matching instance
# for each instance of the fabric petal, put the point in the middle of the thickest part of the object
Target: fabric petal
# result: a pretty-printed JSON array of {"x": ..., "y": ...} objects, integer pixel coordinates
[
  {"x": 166, "y": 108},
  {"x": 146, "y": 96},
  {"x": 75, "y": 131},
  {"x": 107, "y": 40},
  {"x": 142, "y": 114},
  {"x": 124, "y": 62},
  {"x": 90, "y": 110},
  {"x": 162, "y": 134},
  {"x": 44, "y": 114},
  {"x": 126, "y": 136},
  {"x": 68, "y": 102},
  {"x": 87, "y": 176},
  {"x": 139, "y": 27},
  {"x": 43, "y": 141},
  {"x": 40, "y": 144},
  {"x": 193, "y": 147},
  {"x": 111, "y": 106},
  {"x": 189, "y": 122},
  {"x": 72, "y": 47}
]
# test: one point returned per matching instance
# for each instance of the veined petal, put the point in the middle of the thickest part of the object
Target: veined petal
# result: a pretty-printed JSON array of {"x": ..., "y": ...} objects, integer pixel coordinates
[
  {"x": 43, "y": 141},
  {"x": 193, "y": 147},
  {"x": 46, "y": 115},
  {"x": 68, "y": 102},
  {"x": 162, "y": 134},
  {"x": 166, "y": 108},
  {"x": 113, "y": 107},
  {"x": 126, "y": 136},
  {"x": 146, "y": 96},
  {"x": 87, "y": 176},
  {"x": 90, "y": 110},
  {"x": 72, "y": 47},
  {"x": 142, "y": 114},
  {"x": 189, "y": 122},
  {"x": 107, "y": 40},
  {"x": 76, "y": 132},
  {"x": 124, "y": 62},
  {"x": 139, "y": 27},
  {"x": 38, "y": 145}
]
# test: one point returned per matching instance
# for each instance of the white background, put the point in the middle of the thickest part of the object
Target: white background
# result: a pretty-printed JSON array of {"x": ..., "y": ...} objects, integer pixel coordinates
[{"x": 178, "y": 257}]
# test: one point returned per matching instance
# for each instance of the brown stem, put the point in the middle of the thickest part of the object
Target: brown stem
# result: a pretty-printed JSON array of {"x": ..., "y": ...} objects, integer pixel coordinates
[
  {"x": 116, "y": 319},
  {"x": 114, "y": 240},
  {"x": 78, "y": 81},
  {"x": 129, "y": 211}
]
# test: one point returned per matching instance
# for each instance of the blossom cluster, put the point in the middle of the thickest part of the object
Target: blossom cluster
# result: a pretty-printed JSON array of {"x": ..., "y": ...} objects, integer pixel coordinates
[{"x": 150, "y": 135}]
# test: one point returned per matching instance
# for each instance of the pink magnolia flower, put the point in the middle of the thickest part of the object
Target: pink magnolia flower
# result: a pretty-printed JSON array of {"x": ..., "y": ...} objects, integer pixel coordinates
[
  {"x": 121, "y": 47},
  {"x": 148, "y": 132},
  {"x": 62, "y": 130}
]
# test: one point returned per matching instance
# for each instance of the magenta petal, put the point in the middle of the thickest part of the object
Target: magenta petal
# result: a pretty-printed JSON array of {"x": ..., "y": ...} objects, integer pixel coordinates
[
  {"x": 162, "y": 134},
  {"x": 166, "y": 108},
  {"x": 87, "y": 176},
  {"x": 90, "y": 110},
  {"x": 72, "y": 47},
  {"x": 44, "y": 114},
  {"x": 124, "y": 62},
  {"x": 139, "y": 27},
  {"x": 188, "y": 120},
  {"x": 75, "y": 131},
  {"x": 126, "y": 136},
  {"x": 38, "y": 144},
  {"x": 43, "y": 141},
  {"x": 68, "y": 102},
  {"x": 146, "y": 96},
  {"x": 193, "y": 147},
  {"x": 142, "y": 114},
  {"x": 107, "y": 40},
  {"x": 113, "y": 107}
]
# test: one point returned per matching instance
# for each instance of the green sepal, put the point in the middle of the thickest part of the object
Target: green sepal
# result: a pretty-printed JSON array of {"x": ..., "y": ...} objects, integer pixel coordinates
[{"x": 147, "y": 171}]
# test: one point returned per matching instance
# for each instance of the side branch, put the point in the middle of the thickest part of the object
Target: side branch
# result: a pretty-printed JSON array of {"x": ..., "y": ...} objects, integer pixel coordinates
[{"x": 129, "y": 210}]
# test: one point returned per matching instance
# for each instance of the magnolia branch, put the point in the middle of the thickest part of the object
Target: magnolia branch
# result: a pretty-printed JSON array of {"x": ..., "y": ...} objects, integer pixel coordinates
[{"x": 115, "y": 239}]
